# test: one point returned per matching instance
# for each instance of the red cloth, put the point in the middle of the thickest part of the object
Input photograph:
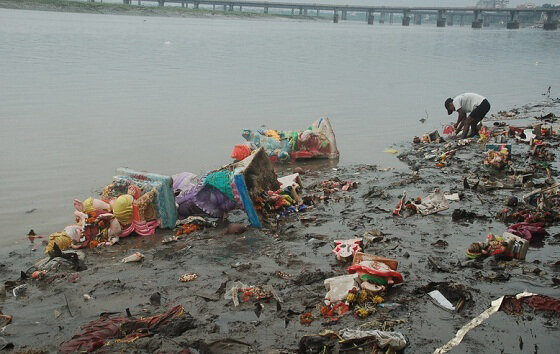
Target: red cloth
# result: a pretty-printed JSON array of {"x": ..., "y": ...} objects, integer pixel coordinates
[
  {"x": 542, "y": 302},
  {"x": 513, "y": 306},
  {"x": 240, "y": 152},
  {"x": 397, "y": 277},
  {"x": 449, "y": 130},
  {"x": 96, "y": 333}
]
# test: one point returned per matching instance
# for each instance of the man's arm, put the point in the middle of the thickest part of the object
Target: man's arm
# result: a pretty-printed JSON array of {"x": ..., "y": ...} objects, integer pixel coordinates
[
  {"x": 460, "y": 120},
  {"x": 461, "y": 116}
]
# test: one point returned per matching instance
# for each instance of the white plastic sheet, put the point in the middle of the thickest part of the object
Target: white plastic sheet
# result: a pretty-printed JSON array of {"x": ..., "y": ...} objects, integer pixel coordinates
[{"x": 475, "y": 322}]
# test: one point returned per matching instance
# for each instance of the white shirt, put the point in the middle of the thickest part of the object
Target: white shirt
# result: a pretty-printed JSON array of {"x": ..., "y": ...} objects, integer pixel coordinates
[{"x": 467, "y": 101}]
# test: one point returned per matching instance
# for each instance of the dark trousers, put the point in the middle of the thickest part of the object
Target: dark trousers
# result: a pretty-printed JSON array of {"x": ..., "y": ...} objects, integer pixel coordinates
[
  {"x": 470, "y": 129},
  {"x": 479, "y": 112}
]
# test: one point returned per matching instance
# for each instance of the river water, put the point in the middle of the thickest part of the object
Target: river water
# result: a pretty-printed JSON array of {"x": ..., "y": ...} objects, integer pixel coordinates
[{"x": 83, "y": 94}]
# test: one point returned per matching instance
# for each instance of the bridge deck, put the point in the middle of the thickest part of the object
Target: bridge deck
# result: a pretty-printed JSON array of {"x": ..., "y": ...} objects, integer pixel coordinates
[{"x": 356, "y": 8}]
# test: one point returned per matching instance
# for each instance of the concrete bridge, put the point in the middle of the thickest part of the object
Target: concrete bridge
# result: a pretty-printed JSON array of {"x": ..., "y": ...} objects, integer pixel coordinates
[{"x": 445, "y": 15}]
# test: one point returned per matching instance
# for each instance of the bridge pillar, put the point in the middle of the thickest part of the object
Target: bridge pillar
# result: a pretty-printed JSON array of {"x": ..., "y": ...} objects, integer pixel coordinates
[
  {"x": 486, "y": 21},
  {"x": 406, "y": 18},
  {"x": 391, "y": 18},
  {"x": 417, "y": 19},
  {"x": 182, "y": 3},
  {"x": 301, "y": 11},
  {"x": 304, "y": 12},
  {"x": 477, "y": 21},
  {"x": 230, "y": 7},
  {"x": 440, "y": 18},
  {"x": 213, "y": 7},
  {"x": 195, "y": 5},
  {"x": 293, "y": 10},
  {"x": 317, "y": 12},
  {"x": 450, "y": 19},
  {"x": 266, "y": 10},
  {"x": 139, "y": 2},
  {"x": 382, "y": 17},
  {"x": 370, "y": 17},
  {"x": 335, "y": 16},
  {"x": 343, "y": 15},
  {"x": 161, "y": 2},
  {"x": 513, "y": 22},
  {"x": 461, "y": 22},
  {"x": 125, "y": 2},
  {"x": 225, "y": 7},
  {"x": 551, "y": 22}
]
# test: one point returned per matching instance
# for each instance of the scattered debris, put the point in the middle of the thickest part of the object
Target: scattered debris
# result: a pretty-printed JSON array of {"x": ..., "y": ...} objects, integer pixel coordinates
[
  {"x": 135, "y": 257},
  {"x": 187, "y": 277}
]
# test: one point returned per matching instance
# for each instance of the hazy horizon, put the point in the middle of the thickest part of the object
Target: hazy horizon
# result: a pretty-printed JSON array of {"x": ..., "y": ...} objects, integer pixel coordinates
[{"x": 457, "y": 3}]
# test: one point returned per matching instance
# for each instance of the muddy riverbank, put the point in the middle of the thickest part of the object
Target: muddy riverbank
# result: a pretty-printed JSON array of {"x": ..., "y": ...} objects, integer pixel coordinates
[{"x": 296, "y": 257}]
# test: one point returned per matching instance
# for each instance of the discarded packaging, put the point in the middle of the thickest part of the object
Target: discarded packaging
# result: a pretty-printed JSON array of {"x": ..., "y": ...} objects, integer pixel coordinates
[
  {"x": 293, "y": 180},
  {"x": 433, "y": 203},
  {"x": 441, "y": 300},
  {"x": 398, "y": 208},
  {"x": 372, "y": 236},
  {"x": 338, "y": 287},
  {"x": 19, "y": 290},
  {"x": 248, "y": 292},
  {"x": 395, "y": 340},
  {"x": 453, "y": 197}
]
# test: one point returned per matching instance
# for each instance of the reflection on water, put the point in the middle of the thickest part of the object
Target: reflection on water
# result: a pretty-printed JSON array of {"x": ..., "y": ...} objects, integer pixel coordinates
[{"x": 84, "y": 94}]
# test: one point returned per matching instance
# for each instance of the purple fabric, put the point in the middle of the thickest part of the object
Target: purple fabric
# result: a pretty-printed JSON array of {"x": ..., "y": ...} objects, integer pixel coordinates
[
  {"x": 213, "y": 202},
  {"x": 183, "y": 183},
  {"x": 528, "y": 231},
  {"x": 203, "y": 198},
  {"x": 187, "y": 209}
]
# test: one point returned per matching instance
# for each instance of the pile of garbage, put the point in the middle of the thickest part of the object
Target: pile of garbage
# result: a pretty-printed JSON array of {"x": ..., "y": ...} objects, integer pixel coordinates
[
  {"x": 316, "y": 142},
  {"x": 355, "y": 305},
  {"x": 360, "y": 292}
]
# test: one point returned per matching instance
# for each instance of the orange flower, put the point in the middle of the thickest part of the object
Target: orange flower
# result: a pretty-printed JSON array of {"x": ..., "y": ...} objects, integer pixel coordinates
[{"x": 188, "y": 228}]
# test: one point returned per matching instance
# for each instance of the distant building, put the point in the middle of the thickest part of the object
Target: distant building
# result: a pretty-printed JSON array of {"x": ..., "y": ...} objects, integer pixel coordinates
[
  {"x": 492, "y": 4},
  {"x": 527, "y": 5}
]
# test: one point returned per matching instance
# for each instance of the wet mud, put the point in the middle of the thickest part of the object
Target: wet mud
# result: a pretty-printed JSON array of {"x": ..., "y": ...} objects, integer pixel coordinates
[{"x": 295, "y": 257}]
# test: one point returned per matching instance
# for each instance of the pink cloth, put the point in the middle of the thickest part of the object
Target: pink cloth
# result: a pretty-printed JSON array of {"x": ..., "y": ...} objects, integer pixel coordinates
[
  {"x": 142, "y": 228},
  {"x": 527, "y": 230}
]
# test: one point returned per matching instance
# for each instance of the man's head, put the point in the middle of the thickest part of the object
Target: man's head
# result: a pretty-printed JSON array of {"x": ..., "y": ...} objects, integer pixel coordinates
[{"x": 449, "y": 106}]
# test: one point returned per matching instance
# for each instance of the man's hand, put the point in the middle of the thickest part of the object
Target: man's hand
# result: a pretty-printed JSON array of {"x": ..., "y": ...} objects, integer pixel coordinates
[{"x": 459, "y": 127}]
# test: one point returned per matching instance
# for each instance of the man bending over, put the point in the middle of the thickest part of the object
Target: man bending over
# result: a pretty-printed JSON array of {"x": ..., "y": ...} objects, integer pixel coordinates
[{"x": 469, "y": 103}]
